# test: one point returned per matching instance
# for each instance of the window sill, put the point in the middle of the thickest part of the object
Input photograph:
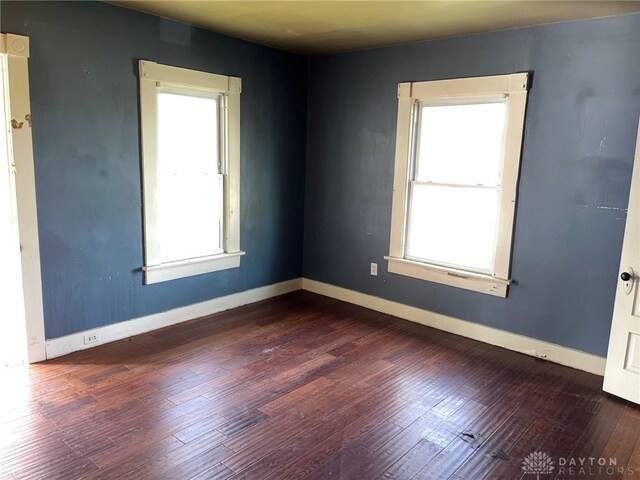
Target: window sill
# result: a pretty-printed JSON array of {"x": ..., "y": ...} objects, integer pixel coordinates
[
  {"x": 448, "y": 276},
  {"x": 191, "y": 267}
]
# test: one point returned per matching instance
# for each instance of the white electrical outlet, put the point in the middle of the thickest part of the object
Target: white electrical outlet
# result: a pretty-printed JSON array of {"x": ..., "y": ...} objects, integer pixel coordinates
[
  {"x": 374, "y": 269},
  {"x": 542, "y": 353},
  {"x": 91, "y": 338}
]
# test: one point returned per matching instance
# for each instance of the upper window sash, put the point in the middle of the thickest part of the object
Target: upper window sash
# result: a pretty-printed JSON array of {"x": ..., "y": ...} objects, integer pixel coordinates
[
  {"x": 418, "y": 170},
  {"x": 213, "y": 94}
]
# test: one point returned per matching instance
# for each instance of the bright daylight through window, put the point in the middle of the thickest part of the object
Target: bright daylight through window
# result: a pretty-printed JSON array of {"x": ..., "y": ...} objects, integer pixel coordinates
[
  {"x": 457, "y": 159},
  {"x": 190, "y": 126},
  {"x": 189, "y": 179}
]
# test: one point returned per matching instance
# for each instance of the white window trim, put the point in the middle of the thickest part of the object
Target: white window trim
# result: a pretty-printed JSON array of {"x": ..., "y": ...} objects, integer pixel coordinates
[
  {"x": 409, "y": 94},
  {"x": 151, "y": 75}
]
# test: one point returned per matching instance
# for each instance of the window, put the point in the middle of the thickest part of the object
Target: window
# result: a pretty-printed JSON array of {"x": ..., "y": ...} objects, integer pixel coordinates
[
  {"x": 190, "y": 124},
  {"x": 456, "y": 171}
]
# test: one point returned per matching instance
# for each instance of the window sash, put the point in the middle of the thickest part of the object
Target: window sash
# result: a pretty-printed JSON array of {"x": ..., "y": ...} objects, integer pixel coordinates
[
  {"x": 216, "y": 210},
  {"x": 417, "y": 119},
  {"x": 414, "y": 156},
  {"x": 433, "y": 261},
  {"x": 166, "y": 254},
  {"x": 221, "y": 100}
]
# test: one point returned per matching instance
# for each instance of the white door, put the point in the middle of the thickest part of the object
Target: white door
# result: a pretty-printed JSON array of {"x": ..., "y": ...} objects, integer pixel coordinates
[
  {"x": 13, "y": 337},
  {"x": 622, "y": 375}
]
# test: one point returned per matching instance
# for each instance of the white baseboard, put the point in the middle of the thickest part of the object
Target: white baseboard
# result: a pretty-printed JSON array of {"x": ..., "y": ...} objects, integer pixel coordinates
[
  {"x": 511, "y": 341},
  {"x": 71, "y": 343}
]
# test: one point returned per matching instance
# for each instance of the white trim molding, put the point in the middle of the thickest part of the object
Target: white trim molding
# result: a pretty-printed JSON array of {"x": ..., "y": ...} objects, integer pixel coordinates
[
  {"x": 58, "y": 347},
  {"x": 519, "y": 343},
  {"x": 413, "y": 98},
  {"x": 477, "y": 282},
  {"x": 501, "y": 338},
  {"x": 192, "y": 266},
  {"x": 16, "y": 48},
  {"x": 154, "y": 79}
]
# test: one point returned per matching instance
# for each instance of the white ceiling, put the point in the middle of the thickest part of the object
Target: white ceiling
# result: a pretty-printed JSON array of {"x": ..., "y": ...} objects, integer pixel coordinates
[{"x": 321, "y": 27}]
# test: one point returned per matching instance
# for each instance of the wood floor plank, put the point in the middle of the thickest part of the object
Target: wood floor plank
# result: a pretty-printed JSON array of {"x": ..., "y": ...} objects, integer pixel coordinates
[
  {"x": 595, "y": 436},
  {"x": 532, "y": 440},
  {"x": 206, "y": 425},
  {"x": 633, "y": 467},
  {"x": 303, "y": 386},
  {"x": 207, "y": 462},
  {"x": 623, "y": 439},
  {"x": 60, "y": 467},
  {"x": 125, "y": 465},
  {"x": 140, "y": 438},
  {"x": 494, "y": 449},
  {"x": 217, "y": 472},
  {"x": 380, "y": 435}
]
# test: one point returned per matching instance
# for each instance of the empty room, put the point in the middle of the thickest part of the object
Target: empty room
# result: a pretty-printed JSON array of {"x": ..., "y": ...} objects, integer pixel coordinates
[{"x": 349, "y": 240}]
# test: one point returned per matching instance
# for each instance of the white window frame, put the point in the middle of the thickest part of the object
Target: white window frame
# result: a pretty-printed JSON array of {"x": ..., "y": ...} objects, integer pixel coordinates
[
  {"x": 155, "y": 77},
  {"x": 512, "y": 88}
]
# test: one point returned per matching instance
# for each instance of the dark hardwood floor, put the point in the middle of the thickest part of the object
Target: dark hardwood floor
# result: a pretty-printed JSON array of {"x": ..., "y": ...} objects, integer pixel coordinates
[{"x": 303, "y": 386}]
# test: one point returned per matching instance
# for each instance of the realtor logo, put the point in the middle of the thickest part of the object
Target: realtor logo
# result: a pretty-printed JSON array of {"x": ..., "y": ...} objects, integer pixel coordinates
[{"x": 537, "y": 463}]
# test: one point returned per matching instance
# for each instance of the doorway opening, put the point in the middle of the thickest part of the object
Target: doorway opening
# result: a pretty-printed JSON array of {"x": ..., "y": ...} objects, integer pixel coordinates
[{"x": 13, "y": 331}]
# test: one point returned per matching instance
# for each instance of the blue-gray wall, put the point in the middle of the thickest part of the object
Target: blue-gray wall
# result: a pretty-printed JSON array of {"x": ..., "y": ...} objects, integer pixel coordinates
[
  {"x": 575, "y": 173},
  {"x": 85, "y": 130}
]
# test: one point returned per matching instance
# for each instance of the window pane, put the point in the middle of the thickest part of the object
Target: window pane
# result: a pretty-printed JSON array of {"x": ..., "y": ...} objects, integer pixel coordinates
[
  {"x": 454, "y": 226},
  {"x": 189, "y": 187},
  {"x": 461, "y": 144}
]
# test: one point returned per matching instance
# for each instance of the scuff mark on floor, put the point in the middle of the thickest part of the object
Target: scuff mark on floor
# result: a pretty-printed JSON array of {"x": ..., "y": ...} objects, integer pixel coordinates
[
  {"x": 473, "y": 439},
  {"x": 500, "y": 454}
]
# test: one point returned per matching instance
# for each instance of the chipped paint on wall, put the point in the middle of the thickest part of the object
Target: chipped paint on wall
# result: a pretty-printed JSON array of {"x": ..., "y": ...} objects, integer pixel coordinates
[
  {"x": 605, "y": 207},
  {"x": 16, "y": 125}
]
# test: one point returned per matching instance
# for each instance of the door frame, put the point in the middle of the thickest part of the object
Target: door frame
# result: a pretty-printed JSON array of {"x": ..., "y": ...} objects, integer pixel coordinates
[{"x": 16, "y": 48}]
